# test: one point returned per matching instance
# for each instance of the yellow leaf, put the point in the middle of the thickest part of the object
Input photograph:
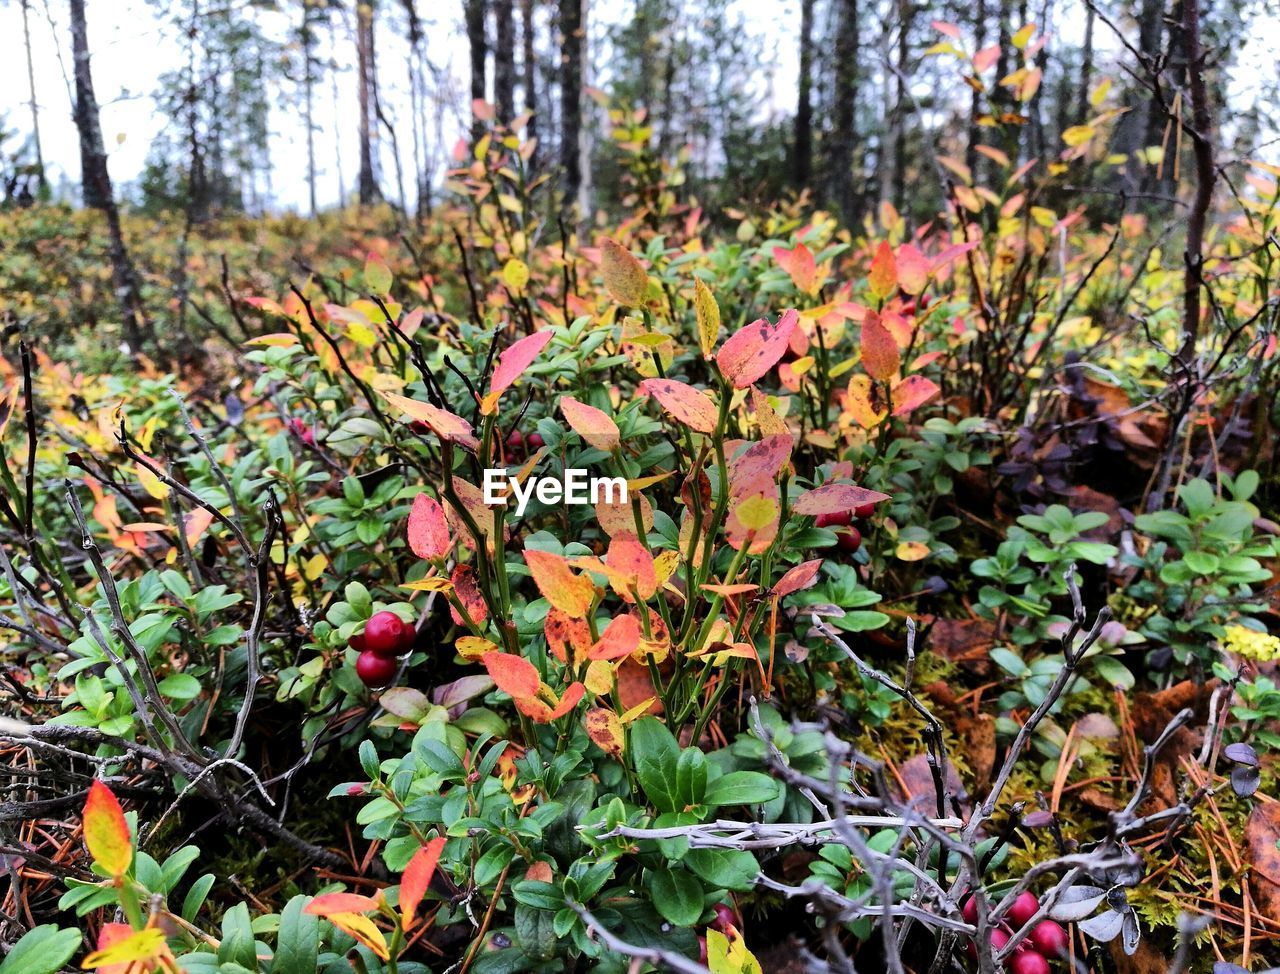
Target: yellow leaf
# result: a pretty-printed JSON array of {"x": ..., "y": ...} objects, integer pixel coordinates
[
  {"x": 436, "y": 583},
  {"x": 515, "y": 274},
  {"x": 140, "y": 947},
  {"x": 639, "y": 710},
  {"x": 911, "y": 550},
  {"x": 708, "y": 314},
  {"x": 106, "y": 833},
  {"x": 473, "y": 647},
  {"x": 1078, "y": 135},
  {"x": 757, "y": 512},
  {"x": 1021, "y": 38},
  {"x": 363, "y": 929}
]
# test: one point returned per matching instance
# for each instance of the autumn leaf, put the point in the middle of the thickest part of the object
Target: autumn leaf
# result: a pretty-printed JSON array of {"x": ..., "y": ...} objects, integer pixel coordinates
[
  {"x": 865, "y": 402},
  {"x": 571, "y": 593},
  {"x": 756, "y": 348},
  {"x": 752, "y": 523},
  {"x": 568, "y": 638},
  {"x": 362, "y": 929},
  {"x": 630, "y": 567},
  {"x": 514, "y": 675},
  {"x": 624, "y": 275},
  {"x": 884, "y": 272},
  {"x": 604, "y": 727},
  {"x": 913, "y": 269},
  {"x": 511, "y": 365},
  {"x": 417, "y": 878},
  {"x": 377, "y": 276},
  {"x": 685, "y": 403},
  {"x": 879, "y": 350},
  {"x": 467, "y": 590},
  {"x": 830, "y": 498},
  {"x": 708, "y": 314},
  {"x": 127, "y": 949},
  {"x": 106, "y": 833},
  {"x": 428, "y": 530},
  {"x": 544, "y": 714},
  {"x": 443, "y": 423},
  {"x": 329, "y": 903},
  {"x": 591, "y": 424},
  {"x": 800, "y": 267},
  {"x": 515, "y": 274},
  {"x": 798, "y": 578},
  {"x": 758, "y": 467},
  {"x": 912, "y": 393}
]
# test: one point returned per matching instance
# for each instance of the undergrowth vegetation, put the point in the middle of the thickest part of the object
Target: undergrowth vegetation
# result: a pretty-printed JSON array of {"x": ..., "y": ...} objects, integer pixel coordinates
[{"x": 943, "y": 577}]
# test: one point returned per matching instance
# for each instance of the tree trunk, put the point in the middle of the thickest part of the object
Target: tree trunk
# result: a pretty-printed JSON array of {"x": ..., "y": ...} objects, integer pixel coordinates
[
  {"x": 474, "y": 12},
  {"x": 41, "y": 182},
  {"x": 975, "y": 100},
  {"x": 307, "y": 38},
  {"x": 529, "y": 65},
  {"x": 1206, "y": 174},
  {"x": 504, "y": 61},
  {"x": 571, "y": 34},
  {"x": 96, "y": 181},
  {"x": 1086, "y": 69},
  {"x": 802, "y": 159},
  {"x": 839, "y": 162},
  {"x": 906, "y": 13},
  {"x": 366, "y": 66}
]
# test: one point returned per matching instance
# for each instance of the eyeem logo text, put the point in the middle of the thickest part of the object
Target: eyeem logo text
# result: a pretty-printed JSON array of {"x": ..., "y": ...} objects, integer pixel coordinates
[{"x": 577, "y": 487}]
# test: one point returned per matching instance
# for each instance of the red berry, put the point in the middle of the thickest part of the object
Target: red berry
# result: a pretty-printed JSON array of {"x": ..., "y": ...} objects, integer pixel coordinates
[
  {"x": 384, "y": 634},
  {"x": 850, "y": 540},
  {"x": 909, "y": 308},
  {"x": 864, "y": 511},
  {"x": 999, "y": 938},
  {"x": 375, "y": 671},
  {"x": 1028, "y": 962},
  {"x": 969, "y": 910},
  {"x": 702, "y": 950},
  {"x": 725, "y": 917},
  {"x": 1049, "y": 938},
  {"x": 834, "y": 519},
  {"x": 1024, "y": 908},
  {"x": 409, "y": 635},
  {"x": 534, "y": 441},
  {"x": 515, "y": 441}
]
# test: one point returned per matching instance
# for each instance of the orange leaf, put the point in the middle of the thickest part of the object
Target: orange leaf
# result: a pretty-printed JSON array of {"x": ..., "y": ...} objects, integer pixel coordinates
[
  {"x": 323, "y": 906},
  {"x": 685, "y": 403},
  {"x": 514, "y": 360},
  {"x": 572, "y": 594},
  {"x": 797, "y": 578},
  {"x": 630, "y": 567},
  {"x": 416, "y": 879},
  {"x": 539, "y": 711},
  {"x": 799, "y": 264},
  {"x": 121, "y": 949},
  {"x": 620, "y": 638},
  {"x": 514, "y": 675},
  {"x": 567, "y": 638},
  {"x": 624, "y": 275},
  {"x": 605, "y": 729},
  {"x": 591, "y": 424},
  {"x": 884, "y": 272},
  {"x": 912, "y": 392},
  {"x": 443, "y": 423},
  {"x": 428, "y": 530},
  {"x": 106, "y": 833},
  {"x": 196, "y": 524},
  {"x": 865, "y": 402},
  {"x": 831, "y": 498},
  {"x": 755, "y": 348},
  {"x": 879, "y": 351}
]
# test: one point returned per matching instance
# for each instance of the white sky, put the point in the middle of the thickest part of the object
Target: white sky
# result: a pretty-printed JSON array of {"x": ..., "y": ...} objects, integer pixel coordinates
[{"x": 132, "y": 46}]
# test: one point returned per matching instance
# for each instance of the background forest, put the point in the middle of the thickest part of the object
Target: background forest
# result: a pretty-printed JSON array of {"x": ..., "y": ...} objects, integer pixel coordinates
[{"x": 936, "y": 345}]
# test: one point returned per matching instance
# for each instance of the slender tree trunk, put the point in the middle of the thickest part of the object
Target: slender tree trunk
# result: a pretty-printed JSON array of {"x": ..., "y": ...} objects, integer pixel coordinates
[
  {"x": 41, "y": 182},
  {"x": 571, "y": 46},
  {"x": 474, "y": 11},
  {"x": 906, "y": 14},
  {"x": 802, "y": 159},
  {"x": 366, "y": 66},
  {"x": 840, "y": 159},
  {"x": 504, "y": 61},
  {"x": 1086, "y": 69},
  {"x": 976, "y": 109},
  {"x": 96, "y": 181},
  {"x": 529, "y": 67},
  {"x": 1206, "y": 174},
  {"x": 307, "y": 38}
]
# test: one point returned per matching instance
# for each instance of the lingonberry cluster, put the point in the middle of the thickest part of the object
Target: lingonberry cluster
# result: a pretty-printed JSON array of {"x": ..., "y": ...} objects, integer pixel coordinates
[
  {"x": 848, "y": 537},
  {"x": 1046, "y": 941},
  {"x": 520, "y": 445},
  {"x": 385, "y": 637}
]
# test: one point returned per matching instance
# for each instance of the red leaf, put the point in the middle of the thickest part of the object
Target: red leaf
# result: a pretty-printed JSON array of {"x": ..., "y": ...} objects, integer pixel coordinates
[
  {"x": 467, "y": 590},
  {"x": 106, "y": 833},
  {"x": 913, "y": 269},
  {"x": 514, "y": 675},
  {"x": 884, "y": 272},
  {"x": 443, "y": 423},
  {"x": 912, "y": 392},
  {"x": 799, "y": 264},
  {"x": 620, "y": 638},
  {"x": 416, "y": 879},
  {"x": 685, "y": 403},
  {"x": 799, "y": 577},
  {"x": 831, "y": 498},
  {"x": 757, "y": 468},
  {"x": 515, "y": 359},
  {"x": 755, "y": 348},
  {"x": 428, "y": 530},
  {"x": 879, "y": 351}
]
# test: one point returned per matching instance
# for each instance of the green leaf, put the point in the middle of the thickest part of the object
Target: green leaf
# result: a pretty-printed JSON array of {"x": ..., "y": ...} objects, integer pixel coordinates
[
  {"x": 1008, "y": 661},
  {"x": 741, "y": 788},
  {"x": 1201, "y": 562},
  {"x": 195, "y": 897},
  {"x": 43, "y": 950},
  {"x": 237, "y": 946},
  {"x": 298, "y": 942},
  {"x": 179, "y": 686},
  {"x": 691, "y": 777},
  {"x": 656, "y": 753},
  {"x": 535, "y": 932},
  {"x": 677, "y": 895},
  {"x": 733, "y": 869}
]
